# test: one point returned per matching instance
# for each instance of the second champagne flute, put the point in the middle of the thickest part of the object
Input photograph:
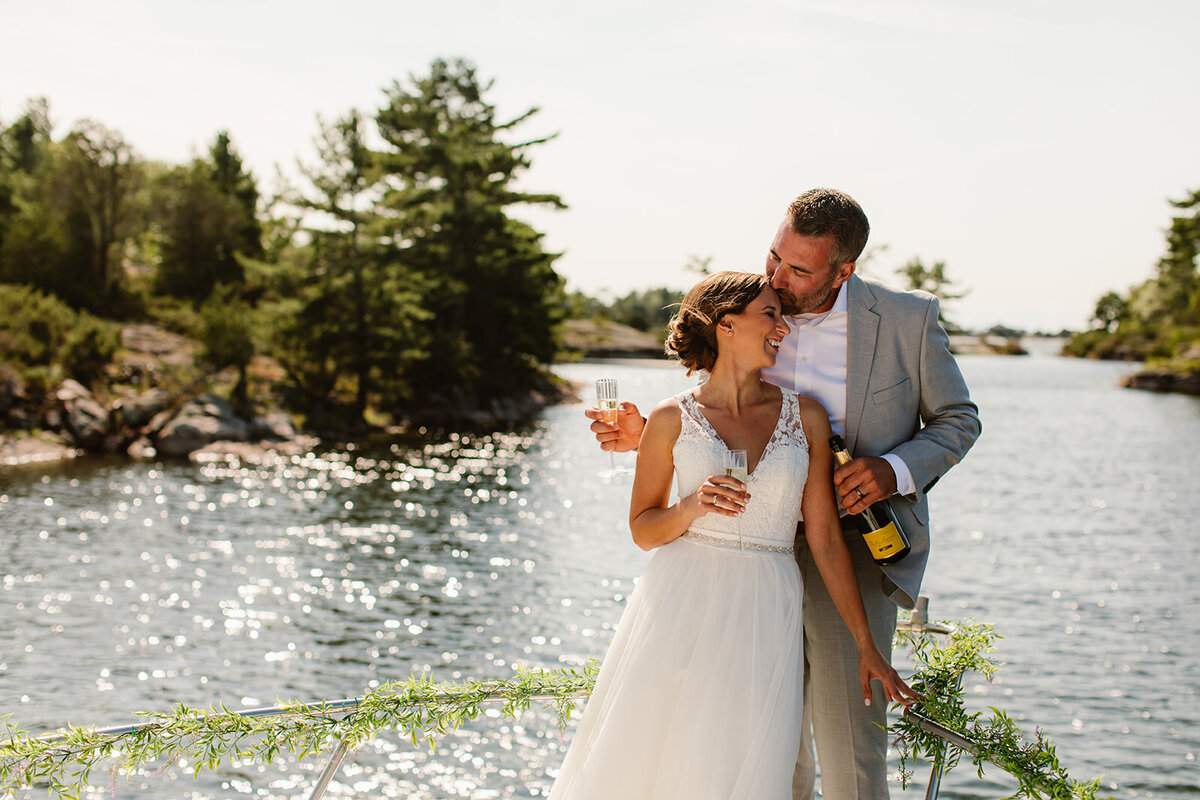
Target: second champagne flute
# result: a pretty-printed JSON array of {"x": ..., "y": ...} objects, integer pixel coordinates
[{"x": 606, "y": 400}]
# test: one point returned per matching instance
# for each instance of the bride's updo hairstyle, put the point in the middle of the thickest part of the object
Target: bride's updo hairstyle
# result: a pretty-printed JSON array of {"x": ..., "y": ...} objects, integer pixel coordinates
[{"x": 692, "y": 332}]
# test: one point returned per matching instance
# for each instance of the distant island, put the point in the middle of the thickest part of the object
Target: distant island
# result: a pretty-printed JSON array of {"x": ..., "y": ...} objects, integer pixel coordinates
[
  {"x": 1158, "y": 320},
  {"x": 602, "y": 338}
]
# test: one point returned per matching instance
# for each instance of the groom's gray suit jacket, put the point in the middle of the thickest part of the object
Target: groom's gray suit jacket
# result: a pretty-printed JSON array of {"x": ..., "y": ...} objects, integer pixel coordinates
[{"x": 905, "y": 395}]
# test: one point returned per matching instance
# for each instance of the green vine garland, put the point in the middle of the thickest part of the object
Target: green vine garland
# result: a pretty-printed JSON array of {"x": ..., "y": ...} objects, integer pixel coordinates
[
  {"x": 419, "y": 707},
  {"x": 424, "y": 710},
  {"x": 996, "y": 740}
]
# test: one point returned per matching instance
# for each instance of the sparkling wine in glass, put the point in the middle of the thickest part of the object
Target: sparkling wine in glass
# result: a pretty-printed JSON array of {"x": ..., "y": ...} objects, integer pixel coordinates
[
  {"x": 735, "y": 467},
  {"x": 606, "y": 400}
]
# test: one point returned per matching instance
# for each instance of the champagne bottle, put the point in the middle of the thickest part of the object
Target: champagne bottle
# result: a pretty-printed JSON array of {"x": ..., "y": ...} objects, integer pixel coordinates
[{"x": 880, "y": 528}]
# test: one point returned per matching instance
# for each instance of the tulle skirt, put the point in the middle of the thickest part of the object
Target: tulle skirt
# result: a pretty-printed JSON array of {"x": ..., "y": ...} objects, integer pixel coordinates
[{"x": 700, "y": 696}]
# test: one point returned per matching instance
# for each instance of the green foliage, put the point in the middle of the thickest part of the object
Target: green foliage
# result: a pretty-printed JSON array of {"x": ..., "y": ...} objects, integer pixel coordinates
[
  {"x": 358, "y": 326},
  {"x": 227, "y": 334},
  {"x": 493, "y": 297},
  {"x": 1111, "y": 309},
  {"x": 34, "y": 326},
  {"x": 240, "y": 191},
  {"x": 396, "y": 280},
  {"x": 1178, "y": 279},
  {"x": 65, "y": 209},
  {"x": 42, "y": 335},
  {"x": 581, "y": 306},
  {"x": 1158, "y": 319},
  {"x": 89, "y": 349},
  {"x": 175, "y": 315},
  {"x": 420, "y": 708},
  {"x": 98, "y": 173},
  {"x": 423, "y": 710},
  {"x": 207, "y": 214},
  {"x": 933, "y": 279},
  {"x": 647, "y": 310},
  {"x": 33, "y": 241},
  {"x": 996, "y": 740}
]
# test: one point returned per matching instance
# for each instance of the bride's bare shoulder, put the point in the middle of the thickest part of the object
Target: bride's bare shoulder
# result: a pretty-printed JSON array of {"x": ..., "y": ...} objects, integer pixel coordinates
[
  {"x": 665, "y": 419},
  {"x": 813, "y": 414}
]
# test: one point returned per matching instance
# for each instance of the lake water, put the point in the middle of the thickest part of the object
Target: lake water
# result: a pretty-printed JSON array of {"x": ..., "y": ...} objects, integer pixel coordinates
[{"x": 1072, "y": 526}]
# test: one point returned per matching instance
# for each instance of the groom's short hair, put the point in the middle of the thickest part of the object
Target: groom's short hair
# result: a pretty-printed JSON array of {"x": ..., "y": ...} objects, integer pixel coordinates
[{"x": 828, "y": 212}]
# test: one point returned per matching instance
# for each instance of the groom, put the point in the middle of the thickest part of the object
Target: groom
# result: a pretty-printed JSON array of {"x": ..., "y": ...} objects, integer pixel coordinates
[{"x": 880, "y": 363}]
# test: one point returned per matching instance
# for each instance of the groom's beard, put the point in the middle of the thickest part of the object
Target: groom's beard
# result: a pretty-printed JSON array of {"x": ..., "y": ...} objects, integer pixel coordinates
[{"x": 793, "y": 305}]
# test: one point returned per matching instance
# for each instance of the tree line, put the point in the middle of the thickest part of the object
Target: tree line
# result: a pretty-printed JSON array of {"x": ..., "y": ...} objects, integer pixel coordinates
[
  {"x": 390, "y": 276},
  {"x": 651, "y": 309},
  {"x": 1159, "y": 318}
]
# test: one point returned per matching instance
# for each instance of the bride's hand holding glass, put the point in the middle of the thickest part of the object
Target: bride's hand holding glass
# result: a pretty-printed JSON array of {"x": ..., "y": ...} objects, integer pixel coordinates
[{"x": 723, "y": 495}]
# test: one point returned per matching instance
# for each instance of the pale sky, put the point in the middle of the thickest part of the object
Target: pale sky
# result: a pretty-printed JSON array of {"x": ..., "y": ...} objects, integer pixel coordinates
[{"x": 1030, "y": 144}]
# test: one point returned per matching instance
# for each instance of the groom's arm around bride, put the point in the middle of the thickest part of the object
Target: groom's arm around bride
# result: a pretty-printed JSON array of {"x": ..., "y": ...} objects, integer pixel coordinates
[{"x": 879, "y": 362}]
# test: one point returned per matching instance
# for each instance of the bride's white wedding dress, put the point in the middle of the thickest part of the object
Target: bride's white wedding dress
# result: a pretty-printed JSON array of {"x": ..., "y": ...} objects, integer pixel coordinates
[{"x": 700, "y": 697}]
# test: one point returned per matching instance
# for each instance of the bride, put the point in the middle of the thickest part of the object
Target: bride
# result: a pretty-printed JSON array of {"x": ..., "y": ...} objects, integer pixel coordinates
[{"x": 700, "y": 695}]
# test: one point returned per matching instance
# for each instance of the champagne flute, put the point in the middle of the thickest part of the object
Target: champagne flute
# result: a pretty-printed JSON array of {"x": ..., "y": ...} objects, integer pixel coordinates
[
  {"x": 735, "y": 467},
  {"x": 606, "y": 400}
]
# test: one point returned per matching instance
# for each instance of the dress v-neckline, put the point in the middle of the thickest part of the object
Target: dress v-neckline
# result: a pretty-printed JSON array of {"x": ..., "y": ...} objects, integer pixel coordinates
[{"x": 703, "y": 420}]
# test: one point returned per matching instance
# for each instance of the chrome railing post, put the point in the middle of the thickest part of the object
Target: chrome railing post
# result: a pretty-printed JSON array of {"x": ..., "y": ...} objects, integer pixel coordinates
[
  {"x": 330, "y": 770},
  {"x": 918, "y": 621},
  {"x": 939, "y": 763}
]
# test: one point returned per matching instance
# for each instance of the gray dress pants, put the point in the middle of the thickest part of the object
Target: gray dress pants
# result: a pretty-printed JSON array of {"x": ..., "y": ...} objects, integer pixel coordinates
[{"x": 850, "y": 744}]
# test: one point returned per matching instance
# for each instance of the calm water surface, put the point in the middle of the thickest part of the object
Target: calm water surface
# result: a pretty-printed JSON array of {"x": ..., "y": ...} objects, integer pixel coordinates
[{"x": 1072, "y": 526}]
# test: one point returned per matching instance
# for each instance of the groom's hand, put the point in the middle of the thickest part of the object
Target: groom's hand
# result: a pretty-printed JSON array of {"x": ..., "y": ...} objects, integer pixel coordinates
[
  {"x": 863, "y": 481},
  {"x": 872, "y": 666},
  {"x": 623, "y": 437}
]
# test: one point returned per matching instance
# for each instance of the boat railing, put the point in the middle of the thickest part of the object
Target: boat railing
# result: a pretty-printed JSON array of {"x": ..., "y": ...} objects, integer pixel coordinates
[
  {"x": 346, "y": 705},
  {"x": 326, "y": 707},
  {"x": 918, "y": 622}
]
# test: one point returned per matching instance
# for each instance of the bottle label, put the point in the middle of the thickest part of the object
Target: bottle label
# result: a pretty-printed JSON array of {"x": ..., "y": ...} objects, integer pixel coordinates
[{"x": 884, "y": 542}]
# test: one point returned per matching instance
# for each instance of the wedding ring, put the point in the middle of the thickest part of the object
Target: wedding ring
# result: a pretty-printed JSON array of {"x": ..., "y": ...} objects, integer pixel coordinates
[{"x": 860, "y": 494}]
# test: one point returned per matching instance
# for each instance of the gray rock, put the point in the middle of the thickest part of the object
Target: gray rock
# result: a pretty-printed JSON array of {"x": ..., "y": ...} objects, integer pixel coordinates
[
  {"x": 253, "y": 452},
  {"x": 23, "y": 419},
  {"x": 155, "y": 341},
  {"x": 137, "y": 412},
  {"x": 158, "y": 422},
  {"x": 70, "y": 390},
  {"x": 1164, "y": 380},
  {"x": 202, "y": 421},
  {"x": 15, "y": 452},
  {"x": 142, "y": 449},
  {"x": 12, "y": 388},
  {"x": 86, "y": 420},
  {"x": 274, "y": 426}
]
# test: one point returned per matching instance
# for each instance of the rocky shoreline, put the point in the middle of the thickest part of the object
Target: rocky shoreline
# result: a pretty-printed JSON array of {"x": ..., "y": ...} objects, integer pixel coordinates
[
  {"x": 1164, "y": 380},
  {"x": 607, "y": 339},
  {"x": 139, "y": 417},
  {"x": 1181, "y": 375},
  {"x": 147, "y": 425}
]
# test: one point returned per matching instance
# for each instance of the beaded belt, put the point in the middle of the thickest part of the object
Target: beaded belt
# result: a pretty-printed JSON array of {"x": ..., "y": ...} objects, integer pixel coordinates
[{"x": 721, "y": 541}]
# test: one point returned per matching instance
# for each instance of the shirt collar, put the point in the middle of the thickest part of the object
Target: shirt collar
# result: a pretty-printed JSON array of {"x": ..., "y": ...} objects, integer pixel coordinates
[{"x": 813, "y": 320}]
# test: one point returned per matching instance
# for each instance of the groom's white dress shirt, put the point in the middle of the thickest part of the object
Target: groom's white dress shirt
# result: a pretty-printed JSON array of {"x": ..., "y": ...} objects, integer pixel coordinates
[{"x": 812, "y": 361}]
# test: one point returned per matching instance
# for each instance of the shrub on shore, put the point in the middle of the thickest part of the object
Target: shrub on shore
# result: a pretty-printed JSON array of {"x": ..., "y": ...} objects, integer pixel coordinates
[{"x": 44, "y": 338}]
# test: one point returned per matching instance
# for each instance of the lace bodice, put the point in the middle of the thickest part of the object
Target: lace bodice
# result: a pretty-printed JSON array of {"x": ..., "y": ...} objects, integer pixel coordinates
[{"x": 776, "y": 485}]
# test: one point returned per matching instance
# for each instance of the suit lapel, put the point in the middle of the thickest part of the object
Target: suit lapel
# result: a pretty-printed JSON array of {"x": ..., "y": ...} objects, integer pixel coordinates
[{"x": 862, "y": 329}]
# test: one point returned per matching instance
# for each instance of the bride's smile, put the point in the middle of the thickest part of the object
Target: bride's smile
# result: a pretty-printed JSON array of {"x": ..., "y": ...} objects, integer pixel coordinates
[{"x": 760, "y": 328}]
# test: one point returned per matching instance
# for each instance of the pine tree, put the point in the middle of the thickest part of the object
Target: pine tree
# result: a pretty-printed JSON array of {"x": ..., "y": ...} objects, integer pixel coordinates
[
  {"x": 358, "y": 325},
  {"x": 207, "y": 212},
  {"x": 450, "y": 177}
]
